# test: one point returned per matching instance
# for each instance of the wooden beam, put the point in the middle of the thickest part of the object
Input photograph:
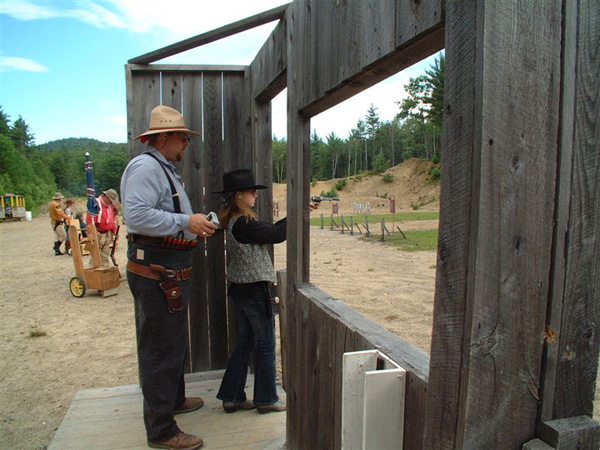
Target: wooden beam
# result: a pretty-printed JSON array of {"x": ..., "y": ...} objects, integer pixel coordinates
[
  {"x": 572, "y": 433},
  {"x": 578, "y": 246},
  {"x": 213, "y": 35},
  {"x": 185, "y": 68},
  {"x": 269, "y": 66},
  {"x": 354, "y": 45},
  {"x": 501, "y": 128}
]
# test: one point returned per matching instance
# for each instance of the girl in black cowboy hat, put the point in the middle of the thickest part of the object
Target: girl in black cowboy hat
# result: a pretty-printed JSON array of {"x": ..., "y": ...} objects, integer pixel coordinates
[{"x": 249, "y": 273}]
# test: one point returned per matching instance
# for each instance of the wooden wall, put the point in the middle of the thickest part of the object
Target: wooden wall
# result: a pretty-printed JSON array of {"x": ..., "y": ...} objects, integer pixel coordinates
[
  {"x": 515, "y": 339},
  {"x": 319, "y": 331},
  {"x": 215, "y": 102}
]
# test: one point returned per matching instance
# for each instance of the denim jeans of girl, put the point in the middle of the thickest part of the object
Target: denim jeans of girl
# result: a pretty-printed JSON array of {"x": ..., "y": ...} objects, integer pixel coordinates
[{"x": 257, "y": 333}]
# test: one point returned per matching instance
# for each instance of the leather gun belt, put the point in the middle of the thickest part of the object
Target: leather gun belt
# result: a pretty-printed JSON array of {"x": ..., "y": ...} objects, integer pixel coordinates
[{"x": 155, "y": 271}]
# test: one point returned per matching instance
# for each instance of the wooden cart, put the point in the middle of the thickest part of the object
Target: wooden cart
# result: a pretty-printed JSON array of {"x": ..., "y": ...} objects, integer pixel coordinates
[{"x": 105, "y": 279}]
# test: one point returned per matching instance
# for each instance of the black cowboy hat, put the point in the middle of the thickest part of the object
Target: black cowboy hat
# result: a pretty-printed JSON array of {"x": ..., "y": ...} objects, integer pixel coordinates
[{"x": 239, "y": 180}]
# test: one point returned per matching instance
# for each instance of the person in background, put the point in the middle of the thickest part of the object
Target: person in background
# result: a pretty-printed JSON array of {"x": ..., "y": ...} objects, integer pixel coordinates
[
  {"x": 105, "y": 222},
  {"x": 250, "y": 274},
  {"x": 57, "y": 219},
  {"x": 68, "y": 212},
  {"x": 82, "y": 224},
  {"x": 155, "y": 210}
]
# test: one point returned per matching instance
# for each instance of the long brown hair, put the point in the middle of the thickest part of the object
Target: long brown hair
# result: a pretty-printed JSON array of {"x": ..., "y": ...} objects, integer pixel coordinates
[{"x": 235, "y": 208}]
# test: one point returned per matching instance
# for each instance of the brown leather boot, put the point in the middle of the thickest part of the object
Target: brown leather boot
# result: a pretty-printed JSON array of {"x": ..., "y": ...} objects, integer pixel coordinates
[
  {"x": 190, "y": 404},
  {"x": 231, "y": 407},
  {"x": 278, "y": 406},
  {"x": 181, "y": 441}
]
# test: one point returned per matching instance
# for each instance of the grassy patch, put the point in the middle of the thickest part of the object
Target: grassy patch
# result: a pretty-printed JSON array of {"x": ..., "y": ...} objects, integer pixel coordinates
[
  {"x": 36, "y": 333},
  {"x": 415, "y": 240},
  {"x": 375, "y": 219}
]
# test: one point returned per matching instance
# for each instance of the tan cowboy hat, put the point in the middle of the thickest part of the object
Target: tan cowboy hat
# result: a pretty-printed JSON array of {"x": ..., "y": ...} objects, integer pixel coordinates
[
  {"x": 164, "y": 119},
  {"x": 112, "y": 194},
  {"x": 57, "y": 196}
]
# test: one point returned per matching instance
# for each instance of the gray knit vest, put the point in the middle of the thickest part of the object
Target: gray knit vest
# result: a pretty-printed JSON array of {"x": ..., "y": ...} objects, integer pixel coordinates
[{"x": 249, "y": 263}]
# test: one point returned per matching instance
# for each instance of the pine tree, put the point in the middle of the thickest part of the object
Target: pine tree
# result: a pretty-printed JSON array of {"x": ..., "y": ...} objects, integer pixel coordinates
[{"x": 20, "y": 134}]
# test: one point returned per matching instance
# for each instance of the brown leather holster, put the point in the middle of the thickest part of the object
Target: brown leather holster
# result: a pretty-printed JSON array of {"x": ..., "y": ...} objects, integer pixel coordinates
[{"x": 169, "y": 281}]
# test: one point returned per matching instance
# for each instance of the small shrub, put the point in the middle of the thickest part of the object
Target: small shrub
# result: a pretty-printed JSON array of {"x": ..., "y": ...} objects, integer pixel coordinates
[
  {"x": 314, "y": 182},
  {"x": 436, "y": 159},
  {"x": 414, "y": 205},
  {"x": 340, "y": 184},
  {"x": 387, "y": 177},
  {"x": 36, "y": 333},
  {"x": 435, "y": 174},
  {"x": 331, "y": 193}
]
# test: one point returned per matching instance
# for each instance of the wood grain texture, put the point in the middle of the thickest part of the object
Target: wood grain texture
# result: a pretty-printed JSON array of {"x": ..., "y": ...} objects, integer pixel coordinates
[
  {"x": 215, "y": 264},
  {"x": 496, "y": 231},
  {"x": 298, "y": 42},
  {"x": 269, "y": 67},
  {"x": 325, "y": 328},
  {"x": 356, "y": 44},
  {"x": 579, "y": 338}
]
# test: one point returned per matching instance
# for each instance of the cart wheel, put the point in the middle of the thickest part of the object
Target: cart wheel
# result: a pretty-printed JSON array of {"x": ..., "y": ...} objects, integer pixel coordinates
[{"x": 77, "y": 286}]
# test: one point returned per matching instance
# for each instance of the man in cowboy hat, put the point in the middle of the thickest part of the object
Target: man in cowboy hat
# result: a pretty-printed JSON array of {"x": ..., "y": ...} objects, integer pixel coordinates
[
  {"x": 162, "y": 232},
  {"x": 105, "y": 222},
  {"x": 57, "y": 219}
]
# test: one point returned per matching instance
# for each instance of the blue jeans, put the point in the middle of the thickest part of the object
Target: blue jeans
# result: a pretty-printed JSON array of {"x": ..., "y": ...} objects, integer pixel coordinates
[
  {"x": 162, "y": 343},
  {"x": 257, "y": 333}
]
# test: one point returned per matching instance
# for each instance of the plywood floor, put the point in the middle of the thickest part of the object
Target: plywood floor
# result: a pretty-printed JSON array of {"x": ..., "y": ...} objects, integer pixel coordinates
[{"x": 111, "y": 418}]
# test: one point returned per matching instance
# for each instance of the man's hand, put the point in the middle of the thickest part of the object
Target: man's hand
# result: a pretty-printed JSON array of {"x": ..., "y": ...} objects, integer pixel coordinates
[{"x": 201, "y": 226}]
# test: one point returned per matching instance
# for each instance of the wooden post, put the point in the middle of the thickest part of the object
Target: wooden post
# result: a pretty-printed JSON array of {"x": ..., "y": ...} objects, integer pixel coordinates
[
  {"x": 572, "y": 340},
  {"x": 352, "y": 225},
  {"x": 282, "y": 294},
  {"x": 500, "y": 257}
]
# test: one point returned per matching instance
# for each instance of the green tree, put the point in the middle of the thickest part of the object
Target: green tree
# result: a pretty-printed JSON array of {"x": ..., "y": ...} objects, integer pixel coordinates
[
  {"x": 21, "y": 135},
  {"x": 4, "y": 123},
  {"x": 425, "y": 104},
  {"x": 279, "y": 160}
]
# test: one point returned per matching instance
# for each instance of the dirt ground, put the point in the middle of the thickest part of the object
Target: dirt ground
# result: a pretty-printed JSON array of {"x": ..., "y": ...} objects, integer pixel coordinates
[{"x": 90, "y": 342}]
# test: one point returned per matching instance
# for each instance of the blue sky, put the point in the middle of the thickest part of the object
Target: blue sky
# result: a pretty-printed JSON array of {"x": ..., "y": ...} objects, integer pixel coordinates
[{"x": 62, "y": 62}]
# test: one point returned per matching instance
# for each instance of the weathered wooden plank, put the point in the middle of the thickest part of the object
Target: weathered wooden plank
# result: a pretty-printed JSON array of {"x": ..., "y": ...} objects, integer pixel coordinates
[
  {"x": 363, "y": 43},
  {"x": 495, "y": 239},
  {"x": 298, "y": 137},
  {"x": 186, "y": 68},
  {"x": 283, "y": 326},
  {"x": 120, "y": 411},
  {"x": 579, "y": 336},
  {"x": 262, "y": 161},
  {"x": 456, "y": 217},
  {"x": 211, "y": 36},
  {"x": 237, "y": 154},
  {"x": 572, "y": 433},
  {"x": 144, "y": 96},
  {"x": 215, "y": 270},
  {"x": 346, "y": 330},
  {"x": 268, "y": 68},
  {"x": 193, "y": 179}
]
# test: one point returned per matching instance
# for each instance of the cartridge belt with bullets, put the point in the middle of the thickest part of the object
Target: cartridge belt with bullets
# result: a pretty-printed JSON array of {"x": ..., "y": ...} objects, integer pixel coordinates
[{"x": 169, "y": 242}]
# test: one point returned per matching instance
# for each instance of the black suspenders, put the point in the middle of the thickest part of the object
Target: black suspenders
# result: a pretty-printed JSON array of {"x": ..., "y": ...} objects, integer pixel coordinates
[{"x": 174, "y": 194}]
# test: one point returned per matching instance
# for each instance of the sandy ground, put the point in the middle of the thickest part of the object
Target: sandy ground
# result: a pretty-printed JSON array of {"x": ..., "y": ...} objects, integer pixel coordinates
[{"x": 90, "y": 342}]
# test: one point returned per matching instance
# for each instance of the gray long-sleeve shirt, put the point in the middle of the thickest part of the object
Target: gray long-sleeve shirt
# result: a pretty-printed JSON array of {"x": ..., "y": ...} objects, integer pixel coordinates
[{"x": 147, "y": 200}]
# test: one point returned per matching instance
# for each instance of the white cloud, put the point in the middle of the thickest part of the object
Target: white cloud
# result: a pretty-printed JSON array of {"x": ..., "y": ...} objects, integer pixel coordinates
[
  {"x": 20, "y": 64},
  {"x": 24, "y": 10},
  {"x": 178, "y": 18}
]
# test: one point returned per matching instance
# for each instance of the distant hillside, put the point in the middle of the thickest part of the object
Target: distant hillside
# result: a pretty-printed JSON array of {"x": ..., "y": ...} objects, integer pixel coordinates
[
  {"x": 411, "y": 186},
  {"x": 81, "y": 143}
]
